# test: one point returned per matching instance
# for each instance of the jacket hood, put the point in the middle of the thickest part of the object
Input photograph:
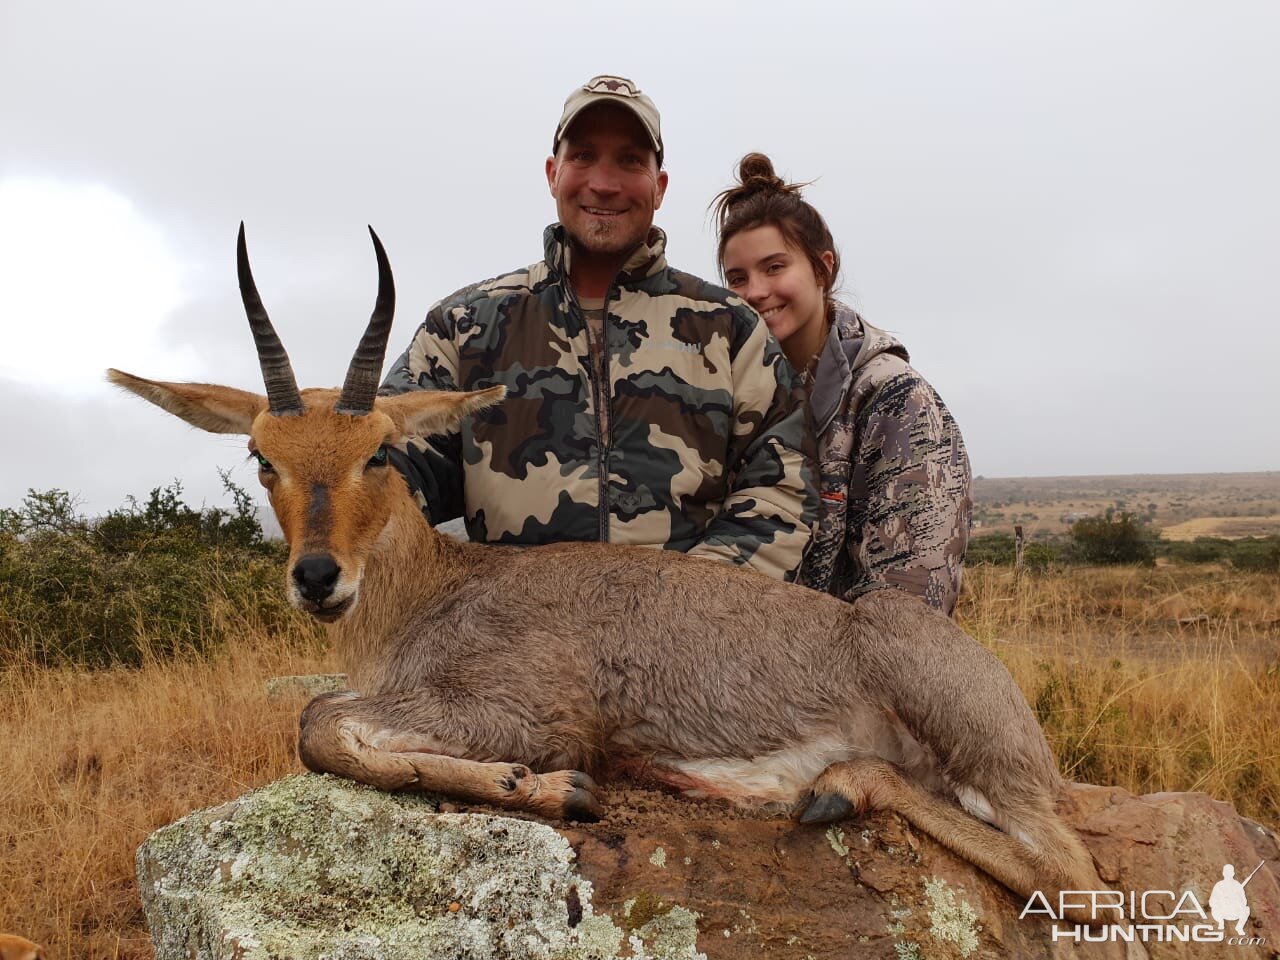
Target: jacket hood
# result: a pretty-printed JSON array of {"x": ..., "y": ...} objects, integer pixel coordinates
[
  {"x": 646, "y": 260},
  {"x": 851, "y": 343}
]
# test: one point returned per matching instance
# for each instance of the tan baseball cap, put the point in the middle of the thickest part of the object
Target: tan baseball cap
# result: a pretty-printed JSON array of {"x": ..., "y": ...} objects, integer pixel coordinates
[{"x": 615, "y": 90}]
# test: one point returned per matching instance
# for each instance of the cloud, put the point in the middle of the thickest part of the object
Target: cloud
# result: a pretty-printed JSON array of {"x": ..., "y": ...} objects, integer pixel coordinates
[
  {"x": 1066, "y": 213},
  {"x": 108, "y": 445},
  {"x": 84, "y": 275}
]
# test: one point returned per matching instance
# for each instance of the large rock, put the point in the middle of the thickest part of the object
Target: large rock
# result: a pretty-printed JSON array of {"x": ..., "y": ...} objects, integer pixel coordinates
[
  {"x": 318, "y": 868},
  {"x": 314, "y": 867}
]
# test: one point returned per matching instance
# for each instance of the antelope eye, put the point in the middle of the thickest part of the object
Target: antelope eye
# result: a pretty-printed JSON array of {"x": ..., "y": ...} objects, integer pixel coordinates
[
  {"x": 379, "y": 459},
  {"x": 263, "y": 463}
]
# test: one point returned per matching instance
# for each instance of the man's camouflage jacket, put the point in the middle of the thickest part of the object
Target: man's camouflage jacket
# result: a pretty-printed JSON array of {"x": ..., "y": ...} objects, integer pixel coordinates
[
  {"x": 895, "y": 483},
  {"x": 707, "y": 450}
]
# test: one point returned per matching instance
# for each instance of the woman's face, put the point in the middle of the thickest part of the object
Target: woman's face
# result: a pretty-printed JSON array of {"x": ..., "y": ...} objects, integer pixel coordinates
[{"x": 778, "y": 280}]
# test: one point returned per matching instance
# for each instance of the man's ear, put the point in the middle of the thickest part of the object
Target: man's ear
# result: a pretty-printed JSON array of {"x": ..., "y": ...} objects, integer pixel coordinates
[
  {"x": 552, "y": 167},
  {"x": 661, "y": 191},
  {"x": 204, "y": 405},
  {"x": 420, "y": 413}
]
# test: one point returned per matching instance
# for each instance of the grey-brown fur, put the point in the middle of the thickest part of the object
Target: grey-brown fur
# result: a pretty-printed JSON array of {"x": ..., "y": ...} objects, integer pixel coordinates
[
  {"x": 577, "y": 656},
  {"x": 680, "y": 644}
]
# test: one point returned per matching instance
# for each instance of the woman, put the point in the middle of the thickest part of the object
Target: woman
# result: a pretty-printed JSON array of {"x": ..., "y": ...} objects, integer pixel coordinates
[{"x": 894, "y": 472}]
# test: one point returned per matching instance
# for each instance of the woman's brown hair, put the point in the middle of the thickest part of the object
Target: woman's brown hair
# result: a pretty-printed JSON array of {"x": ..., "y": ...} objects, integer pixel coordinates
[{"x": 763, "y": 199}]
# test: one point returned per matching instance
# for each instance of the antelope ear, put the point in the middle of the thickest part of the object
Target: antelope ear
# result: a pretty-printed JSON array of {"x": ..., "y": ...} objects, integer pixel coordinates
[
  {"x": 204, "y": 405},
  {"x": 420, "y": 413}
]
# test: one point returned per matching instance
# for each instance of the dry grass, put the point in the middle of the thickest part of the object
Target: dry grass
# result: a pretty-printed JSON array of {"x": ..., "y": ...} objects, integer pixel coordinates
[
  {"x": 95, "y": 761},
  {"x": 1153, "y": 679}
]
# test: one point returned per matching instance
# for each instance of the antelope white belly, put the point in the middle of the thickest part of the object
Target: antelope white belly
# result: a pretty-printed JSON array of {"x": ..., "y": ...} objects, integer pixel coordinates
[{"x": 778, "y": 778}]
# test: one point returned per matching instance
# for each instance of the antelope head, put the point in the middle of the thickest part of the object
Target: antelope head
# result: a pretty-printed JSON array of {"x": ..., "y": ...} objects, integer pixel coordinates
[{"x": 322, "y": 453}]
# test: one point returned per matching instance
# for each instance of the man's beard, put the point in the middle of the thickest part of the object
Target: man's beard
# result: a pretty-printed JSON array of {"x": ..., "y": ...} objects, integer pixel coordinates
[{"x": 606, "y": 239}]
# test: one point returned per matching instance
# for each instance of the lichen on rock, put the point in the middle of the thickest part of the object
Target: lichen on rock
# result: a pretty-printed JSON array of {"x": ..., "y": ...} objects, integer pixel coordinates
[
  {"x": 670, "y": 936},
  {"x": 835, "y": 837},
  {"x": 951, "y": 920},
  {"x": 305, "y": 686},
  {"x": 314, "y": 867}
]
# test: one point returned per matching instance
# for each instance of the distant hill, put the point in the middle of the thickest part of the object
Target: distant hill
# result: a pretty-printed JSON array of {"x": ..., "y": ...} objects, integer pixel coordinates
[{"x": 1220, "y": 504}]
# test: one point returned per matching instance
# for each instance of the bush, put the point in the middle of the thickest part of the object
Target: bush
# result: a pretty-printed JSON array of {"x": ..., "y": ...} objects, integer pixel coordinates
[
  {"x": 999, "y": 549},
  {"x": 1112, "y": 538},
  {"x": 147, "y": 579},
  {"x": 1254, "y": 554},
  {"x": 1199, "y": 550},
  {"x": 1041, "y": 554},
  {"x": 53, "y": 511},
  {"x": 994, "y": 548},
  {"x": 134, "y": 527},
  {"x": 1257, "y": 555}
]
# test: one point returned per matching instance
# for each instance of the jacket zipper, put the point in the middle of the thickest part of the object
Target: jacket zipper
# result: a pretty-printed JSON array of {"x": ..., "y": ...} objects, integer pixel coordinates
[
  {"x": 602, "y": 398},
  {"x": 597, "y": 395}
]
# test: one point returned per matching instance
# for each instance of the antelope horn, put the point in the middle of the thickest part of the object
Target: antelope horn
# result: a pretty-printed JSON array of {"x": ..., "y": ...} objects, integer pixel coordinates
[
  {"x": 365, "y": 372},
  {"x": 282, "y": 389}
]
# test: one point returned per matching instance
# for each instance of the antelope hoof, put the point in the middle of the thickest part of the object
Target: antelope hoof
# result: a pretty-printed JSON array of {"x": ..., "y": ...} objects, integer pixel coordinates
[
  {"x": 826, "y": 808},
  {"x": 580, "y": 802},
  {"x": 583, "y": 807}
]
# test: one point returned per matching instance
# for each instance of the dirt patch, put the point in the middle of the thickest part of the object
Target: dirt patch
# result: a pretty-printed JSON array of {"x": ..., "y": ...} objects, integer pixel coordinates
[
  {"x": 1229, "y": 528},
  {"x": 877, "y": 888},
  {"x": 770, "y": 887}
]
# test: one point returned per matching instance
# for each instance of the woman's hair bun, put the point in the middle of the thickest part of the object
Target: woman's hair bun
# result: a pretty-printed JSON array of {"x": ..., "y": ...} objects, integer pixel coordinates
[
  {"x": 755, "y": 171},
  {"x": 756, "y": 178}
]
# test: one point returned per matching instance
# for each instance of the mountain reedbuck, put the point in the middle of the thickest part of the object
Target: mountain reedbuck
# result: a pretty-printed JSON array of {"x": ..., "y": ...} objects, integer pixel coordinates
[{"x": 501, "y": 674}]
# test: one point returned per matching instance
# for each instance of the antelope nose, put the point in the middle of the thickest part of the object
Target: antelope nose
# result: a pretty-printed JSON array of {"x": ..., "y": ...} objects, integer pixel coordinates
[{"x": 315, "y": 574}]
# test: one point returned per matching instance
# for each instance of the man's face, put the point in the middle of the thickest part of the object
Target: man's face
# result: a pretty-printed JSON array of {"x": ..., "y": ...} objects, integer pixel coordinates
[{"x": 606, "y": 181}]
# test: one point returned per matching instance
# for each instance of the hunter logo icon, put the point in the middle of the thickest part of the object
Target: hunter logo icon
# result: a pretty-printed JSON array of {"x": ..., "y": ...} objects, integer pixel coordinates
[{"x": 1227, "y": 901}]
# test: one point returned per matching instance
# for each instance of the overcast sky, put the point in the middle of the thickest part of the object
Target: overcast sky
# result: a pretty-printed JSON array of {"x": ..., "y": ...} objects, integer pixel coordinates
[{"x": 1070, "y": 213}]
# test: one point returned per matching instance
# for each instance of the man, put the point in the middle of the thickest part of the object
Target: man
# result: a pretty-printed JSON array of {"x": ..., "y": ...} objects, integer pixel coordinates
[{"x": 644, "y": 405}]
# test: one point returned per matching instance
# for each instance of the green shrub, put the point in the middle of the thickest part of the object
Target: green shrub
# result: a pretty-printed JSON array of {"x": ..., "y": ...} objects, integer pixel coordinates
[
  {"x": 999, "y": 549},
  {"x": 1112, "y": 538},
  {"x": 1257, "y": 555},
  {"x": 1041, "y": 554},
  {"x": 134, "y": 527},
  {"x": 1199, "y": 550},
  {"x": 993, "y": 548},
  {"x": 1253, "y": 554},
  {"x": 146, "y": 579}
]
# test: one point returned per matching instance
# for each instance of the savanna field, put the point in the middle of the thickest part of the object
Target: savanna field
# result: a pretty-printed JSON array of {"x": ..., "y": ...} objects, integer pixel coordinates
[{"x": 134, "y": 651}]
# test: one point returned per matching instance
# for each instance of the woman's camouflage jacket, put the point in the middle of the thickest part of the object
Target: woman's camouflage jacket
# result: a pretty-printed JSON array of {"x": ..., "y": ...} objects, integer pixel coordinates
[{"x": 894, "y": 475}]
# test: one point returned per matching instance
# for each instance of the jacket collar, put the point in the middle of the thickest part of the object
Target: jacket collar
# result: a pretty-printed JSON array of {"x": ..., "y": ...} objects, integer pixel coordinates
[
  {"x": 851, "y": 342},
  {"x": 646, "y": 260}
]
